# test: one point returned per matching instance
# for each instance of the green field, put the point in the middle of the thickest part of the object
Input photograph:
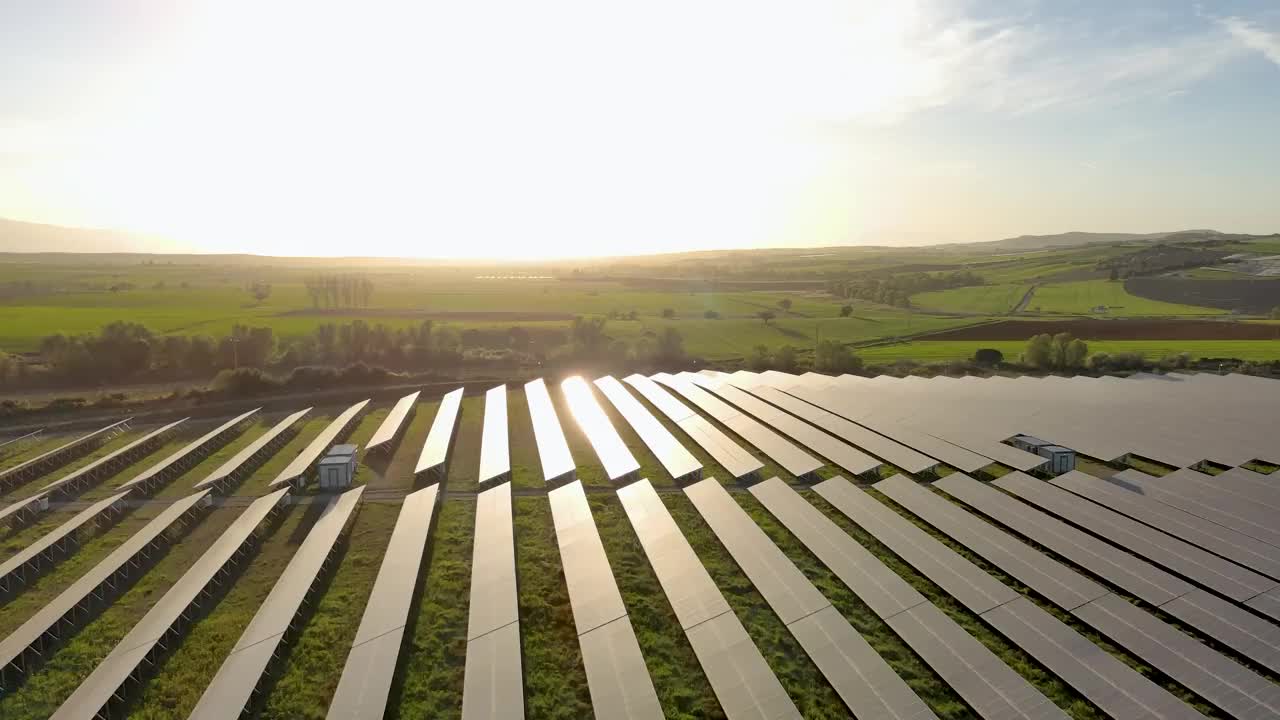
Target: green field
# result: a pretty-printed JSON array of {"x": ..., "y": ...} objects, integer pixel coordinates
[
  {"x": 1080, "y": 298},
  {"x": 986, "y": 299},
  {"x": 927, "y": 351}
]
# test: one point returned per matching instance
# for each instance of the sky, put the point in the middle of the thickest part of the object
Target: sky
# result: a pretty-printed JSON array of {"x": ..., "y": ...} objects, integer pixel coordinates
[{"x": 563, "y": 128}]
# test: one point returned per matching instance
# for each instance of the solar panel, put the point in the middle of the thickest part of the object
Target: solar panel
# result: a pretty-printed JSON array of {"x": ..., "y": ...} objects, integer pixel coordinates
[
  {"x": 495, "y": 454},
  {"x": 243, "y": 462},
  {"x": 493, "y": 684},
  {"x": 1225, "y": 494},
  {"x": 975, "y": 589},
  {"x": 1102, "y": 679},
  {"x": 679, "y": 463},
  {"x": 691, "y": 591},
  {"x": 822, "y": 393},
  {"x": 840, "y": 453},
  {"x": 553, "y": 449},
  {"x": 26, "y": 648},
  {"x": 435, "y": 450},
  {"x": 616, "y": 674},
  {"x": 741, "y": 679},
  {"x": 59, "y": 456},
  {"x": 238, "y": 682},
  {"x": 13, "y": 445},
  {"x": 1060, "y": 585},
  {"x": 295, "y": 473},
  {"x": 493, "y": 564},
  {"x": 365, "y": 684},
  {"x": 1229, "y": 624},
  {"x": 1247, "y": 551},
  {"x": 737, "y": 462},
  {"x": 862, "y": 678},
  {"x": 33, "y": 560},
  {"x": 1195, "y": 504},
  {"x": 1230, "y": 686},
  {"x": 1108, "y": 683},
  {"x": 593, "y": 594},
  {"x": 108, "y": 465},
  {"x": 974, "y": 672},
  {"x": 189, "y": 455},
  {"x": 738, "y": 673},
  {"x": 619, "y": 464},
  {"x": 137, "y": 652},
  {"x": 660, "y": 398},
  {"x": 888, "y": 450},
  {"x": 1187, "y": 560},
  {"x": 876, "y": 585},
  {"x": 22, "y": 511},
  {"x": 990, "y": 687},
  {"x": 393, "y": 423}
]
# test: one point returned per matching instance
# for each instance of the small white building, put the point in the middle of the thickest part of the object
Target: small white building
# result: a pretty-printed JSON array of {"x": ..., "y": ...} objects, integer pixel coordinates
[
  {"x": 337, "y": 469},
  {"x": 1061, "y": 459}
]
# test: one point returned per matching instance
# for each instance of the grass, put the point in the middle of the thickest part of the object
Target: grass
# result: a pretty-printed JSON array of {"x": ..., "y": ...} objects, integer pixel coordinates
[
  {"x": 1079, "y": 298},
  {"x": 33, "y": 448},
  {"x": 31, "y": 487},
  {"x": 932, "y": 351},
  {"x": 431, "y": 677},
  {"x": 257, "y": 483},
  {"x": 987, "y": 299}
]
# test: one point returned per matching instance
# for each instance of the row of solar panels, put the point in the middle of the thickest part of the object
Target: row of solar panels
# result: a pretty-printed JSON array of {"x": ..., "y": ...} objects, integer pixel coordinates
[
  {"x": 992, "y": 689},
  {"x": 238, "y": 682},
  {"x": 610, "y": 690}
]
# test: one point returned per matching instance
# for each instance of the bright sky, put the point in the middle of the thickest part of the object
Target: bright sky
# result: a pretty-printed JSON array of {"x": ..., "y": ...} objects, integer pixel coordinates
[{"x": 509, "y": 128}]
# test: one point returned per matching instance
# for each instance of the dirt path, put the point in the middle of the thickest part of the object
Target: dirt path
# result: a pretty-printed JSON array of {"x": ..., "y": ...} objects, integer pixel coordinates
[{"x": 1026, "y": 299}]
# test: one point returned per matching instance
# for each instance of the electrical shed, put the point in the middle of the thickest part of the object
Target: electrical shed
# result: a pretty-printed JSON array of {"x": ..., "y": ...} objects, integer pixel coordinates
[{"x": 337, "y": 469}]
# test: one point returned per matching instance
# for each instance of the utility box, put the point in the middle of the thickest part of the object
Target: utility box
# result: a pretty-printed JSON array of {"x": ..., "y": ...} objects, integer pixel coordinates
[
  {"x": 1061, "y": 459},
  {"x": 337, "y": 469},
  {"x": 1028, "y": 443}
]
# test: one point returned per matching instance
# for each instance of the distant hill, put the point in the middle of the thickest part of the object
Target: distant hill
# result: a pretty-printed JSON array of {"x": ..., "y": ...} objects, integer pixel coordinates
[
  {"x": 25, "y": 237},
  {"x": 1077, "y": 239}
]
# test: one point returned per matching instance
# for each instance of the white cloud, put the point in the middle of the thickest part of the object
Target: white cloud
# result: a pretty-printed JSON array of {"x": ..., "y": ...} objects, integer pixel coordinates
[{"x": 1254, "y": 37}]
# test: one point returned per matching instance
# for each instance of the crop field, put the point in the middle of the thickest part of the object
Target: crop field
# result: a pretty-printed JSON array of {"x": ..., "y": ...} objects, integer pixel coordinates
[
  {"x": 429, "y": 682},
  {"x": 927, "y": 351},
  {"x": 1080, "y": 298},
  {"x": 985, "y": 299}
]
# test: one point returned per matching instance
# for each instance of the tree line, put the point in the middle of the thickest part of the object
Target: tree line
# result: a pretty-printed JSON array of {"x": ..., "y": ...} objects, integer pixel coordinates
[
  {"x": 339, "y": 290},
  {"x": 896, "y": 289}
]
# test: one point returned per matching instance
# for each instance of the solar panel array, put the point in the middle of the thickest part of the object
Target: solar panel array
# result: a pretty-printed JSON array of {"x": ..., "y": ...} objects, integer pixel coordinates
[
  {"x": 235, "y": 687},
  {"x": 1180, "y": 572},
  {"x": 553, "y": 449},
  {"x": 50, "y": 460},
  {"x": 435, "y": 450},
  {"x": 619, "y": 464},
  {"x": 495, "y": 454},
  {"x": 189, "y": 455},
  {"x": 365, "y": 685},
  {"x": 393, "y": 424},
  {"x": 137, "y": 653},
  {"x": 295, "y": 473}
]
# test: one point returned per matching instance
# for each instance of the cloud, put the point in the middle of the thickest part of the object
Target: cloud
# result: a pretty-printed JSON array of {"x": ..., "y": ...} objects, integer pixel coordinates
[{"x": 1254, "y": 37}]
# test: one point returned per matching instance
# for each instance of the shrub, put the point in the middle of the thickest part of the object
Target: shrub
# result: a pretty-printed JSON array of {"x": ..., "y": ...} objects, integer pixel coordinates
[{"x": 988, "y": 356}]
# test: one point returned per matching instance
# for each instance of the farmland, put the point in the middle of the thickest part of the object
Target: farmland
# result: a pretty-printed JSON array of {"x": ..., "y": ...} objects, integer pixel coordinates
[
  {"x": 1081, "y": 298},
  {"x": 984, "y": 299}
]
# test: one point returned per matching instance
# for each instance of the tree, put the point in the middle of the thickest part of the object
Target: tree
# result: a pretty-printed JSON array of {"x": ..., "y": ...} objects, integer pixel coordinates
[
  {"x": 835, "y": 357},
  {"x": 846, "y": 310},
  {"x": 759, "y": 359},
  {"x": 766, "y": 316},
  {"x": 1058, "y": 352},
  {"x": 668, "y": 313},
  {"x": 785, "y": 304},
  {"x": 1115, "y": 275},
  {"x": 588, "y": 333},
  {"x": 670, "y": 345},
  {"x": 711, "y": 315},
  {"x": 785, "y": 359},
  {"x": 988, "y": 356},
  {"x": 260, "y": 290}
]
